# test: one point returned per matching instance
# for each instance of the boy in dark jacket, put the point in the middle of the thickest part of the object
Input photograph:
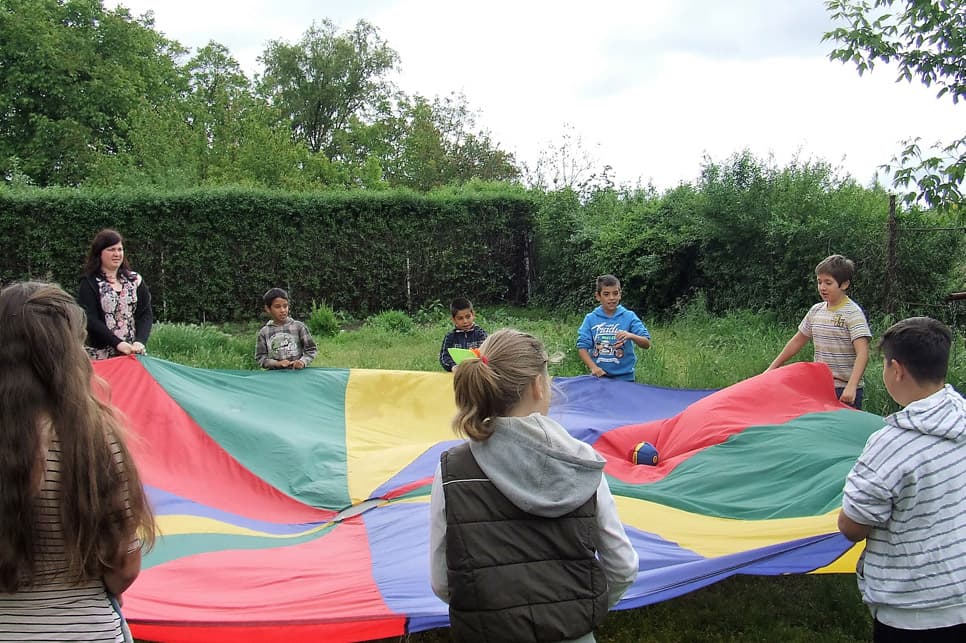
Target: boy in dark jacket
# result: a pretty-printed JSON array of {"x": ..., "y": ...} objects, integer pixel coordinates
[{"x": 466, "y": 333}]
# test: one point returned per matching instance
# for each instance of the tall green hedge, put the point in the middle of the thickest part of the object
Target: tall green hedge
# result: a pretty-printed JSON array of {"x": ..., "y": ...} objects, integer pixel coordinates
[{"x": 210, "y": 254}]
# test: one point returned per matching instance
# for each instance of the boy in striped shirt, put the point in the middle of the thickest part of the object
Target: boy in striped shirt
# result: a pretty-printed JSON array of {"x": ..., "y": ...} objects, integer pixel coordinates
[
  {"x": 838, "y": 329},
  {"x": 907, "y": 492}
]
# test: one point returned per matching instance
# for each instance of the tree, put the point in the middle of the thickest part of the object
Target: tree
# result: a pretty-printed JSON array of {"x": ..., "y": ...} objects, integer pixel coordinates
[
  {"x": 159, "y": 149},
  {"x": 70, "y": 73},
  {"x": 326, "y": 78},
  {"x": 233, "y": 128},
  {"x": 438, "y": 143},
  {"x": 927, "y": 40},
  {"x": 568, "y": 164},
  {"x": 472, "y": 152},
  {"x": 220, "y": 95},
  {"x": 415, "y": 142},
  {"x": 216, "y": 133}
]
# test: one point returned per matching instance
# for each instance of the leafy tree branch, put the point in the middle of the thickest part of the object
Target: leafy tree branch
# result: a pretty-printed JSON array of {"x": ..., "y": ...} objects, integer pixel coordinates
[{"x": 926, "y": 40}]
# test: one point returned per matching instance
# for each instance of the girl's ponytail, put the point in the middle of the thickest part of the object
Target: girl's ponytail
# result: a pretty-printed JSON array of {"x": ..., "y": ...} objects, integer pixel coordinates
[
  {"x": 476, "y": 393},
  {"x": 491, "y": 385}
]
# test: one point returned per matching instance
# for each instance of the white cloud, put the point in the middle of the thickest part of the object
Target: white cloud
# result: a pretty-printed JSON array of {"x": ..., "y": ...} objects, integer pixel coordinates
[{"x": 657, "y": 84}]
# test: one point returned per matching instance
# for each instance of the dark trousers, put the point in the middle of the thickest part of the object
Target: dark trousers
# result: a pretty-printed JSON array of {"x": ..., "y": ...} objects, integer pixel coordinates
[
  {"x": 882, "y": 633},
  {"x": 857, "y": 404}
]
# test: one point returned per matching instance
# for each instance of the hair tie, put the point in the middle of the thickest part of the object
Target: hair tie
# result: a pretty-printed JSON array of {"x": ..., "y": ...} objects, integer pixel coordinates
[{"x": 484, "y": 360}]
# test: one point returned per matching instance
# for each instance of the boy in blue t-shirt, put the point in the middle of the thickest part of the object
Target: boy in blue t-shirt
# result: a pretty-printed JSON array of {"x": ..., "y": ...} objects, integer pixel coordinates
[{"x": 602, "y": 338}]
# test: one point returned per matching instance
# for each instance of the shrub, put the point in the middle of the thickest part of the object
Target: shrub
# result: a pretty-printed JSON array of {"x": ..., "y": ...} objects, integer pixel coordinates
[
  {"x": 393, "y": 321},
  {"x": 432, "y": 313},
  {"x": 323, "y": 322},
  {"x": 747, "y": 234}
]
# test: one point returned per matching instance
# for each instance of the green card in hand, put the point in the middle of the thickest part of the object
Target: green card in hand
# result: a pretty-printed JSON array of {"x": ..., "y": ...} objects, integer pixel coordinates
[{"x": 459, "y": 354}]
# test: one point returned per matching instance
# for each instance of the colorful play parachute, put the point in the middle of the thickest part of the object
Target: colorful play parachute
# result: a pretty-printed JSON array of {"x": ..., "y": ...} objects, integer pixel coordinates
[{"x": 294, "y": 504}]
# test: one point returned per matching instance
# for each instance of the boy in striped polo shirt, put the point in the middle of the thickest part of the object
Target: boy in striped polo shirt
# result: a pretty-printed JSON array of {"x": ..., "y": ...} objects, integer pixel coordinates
[
  {"x": 838, "y": 329},
  {"x": 906, "y": 493}
]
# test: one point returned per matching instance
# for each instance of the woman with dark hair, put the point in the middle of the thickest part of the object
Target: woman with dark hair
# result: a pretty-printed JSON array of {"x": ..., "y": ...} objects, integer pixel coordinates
[
  {"x": 73, "y": 513},
  {"x": 115, "y": 298}
]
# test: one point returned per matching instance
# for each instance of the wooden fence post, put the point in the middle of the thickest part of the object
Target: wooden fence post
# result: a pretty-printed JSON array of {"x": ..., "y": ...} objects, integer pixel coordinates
[
  {"x": 890, "y": 276},
  {"x": 409, "y": 284}
]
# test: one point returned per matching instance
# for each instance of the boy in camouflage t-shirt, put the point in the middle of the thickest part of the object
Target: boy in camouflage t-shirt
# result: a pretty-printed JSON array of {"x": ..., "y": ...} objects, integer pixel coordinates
[{"x": 283, "y": 342}]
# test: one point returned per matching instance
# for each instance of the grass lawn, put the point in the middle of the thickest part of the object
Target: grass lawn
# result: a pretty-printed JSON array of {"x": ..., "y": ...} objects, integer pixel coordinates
[{"x": 695, "y": 350}]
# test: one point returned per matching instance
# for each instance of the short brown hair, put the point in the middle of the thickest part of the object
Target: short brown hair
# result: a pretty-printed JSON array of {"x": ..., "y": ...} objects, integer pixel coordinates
[
  {"x": 607, "y": 281},
  {"x": 839, "y": 267}
]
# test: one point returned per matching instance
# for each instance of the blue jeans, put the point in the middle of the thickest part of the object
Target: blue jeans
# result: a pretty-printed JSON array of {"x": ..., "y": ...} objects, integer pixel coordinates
[{"x": 857, "y": 404}]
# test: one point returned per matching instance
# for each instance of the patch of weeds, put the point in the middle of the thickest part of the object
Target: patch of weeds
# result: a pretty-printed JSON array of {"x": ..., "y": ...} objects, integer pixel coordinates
[
  {"x": 323, "y": 322},
  {"x": 393, "y": 321}
]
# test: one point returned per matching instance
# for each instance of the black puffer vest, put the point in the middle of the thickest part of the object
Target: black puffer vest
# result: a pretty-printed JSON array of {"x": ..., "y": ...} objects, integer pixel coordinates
[{"x": 514, "y": 576}]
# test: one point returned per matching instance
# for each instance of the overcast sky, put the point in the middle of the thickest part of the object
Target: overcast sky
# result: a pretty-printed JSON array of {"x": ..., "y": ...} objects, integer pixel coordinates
[{"x": 650, "y": 86}]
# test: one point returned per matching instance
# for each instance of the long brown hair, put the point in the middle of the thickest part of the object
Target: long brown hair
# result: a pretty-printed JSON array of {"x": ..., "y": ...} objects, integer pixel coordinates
[
  {"x": 491, "y": 385},
  {"x": 46, "y": 392},
  {"x": 104, "y": 239}
]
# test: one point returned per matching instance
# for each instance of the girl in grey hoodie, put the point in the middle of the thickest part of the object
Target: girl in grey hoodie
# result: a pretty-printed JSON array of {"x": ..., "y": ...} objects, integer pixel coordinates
[{"x": 526, "y": 543}]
